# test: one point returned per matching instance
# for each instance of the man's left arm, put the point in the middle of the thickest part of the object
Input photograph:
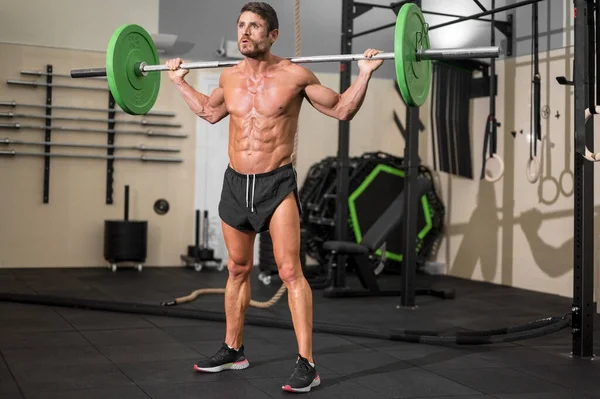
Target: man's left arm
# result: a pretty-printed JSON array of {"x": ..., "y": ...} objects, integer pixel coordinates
[{"x": 342, "y": 106}]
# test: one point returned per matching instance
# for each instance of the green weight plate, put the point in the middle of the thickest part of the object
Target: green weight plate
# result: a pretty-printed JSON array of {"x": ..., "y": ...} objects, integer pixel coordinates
[
  {"x": 414, "y": 77},
  {"x": 128, "y": 47}
]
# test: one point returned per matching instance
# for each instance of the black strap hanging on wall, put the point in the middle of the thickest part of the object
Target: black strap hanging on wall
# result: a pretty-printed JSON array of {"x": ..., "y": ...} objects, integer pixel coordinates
[
  {"x": 536, "y": 131},
  {"x": 432, "y": 119},
  {"x": 464, "y": 138},
  {"x": 490, "y": 139},
  {"x": 441, "y": 118},
  {"x": 450, "y": 115},
  {"x": 534, "y": 167}
]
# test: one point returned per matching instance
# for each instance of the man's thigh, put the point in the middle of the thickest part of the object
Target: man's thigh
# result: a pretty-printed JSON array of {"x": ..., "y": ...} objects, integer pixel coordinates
[
  {"x": 239, "y": 244},
  {"x": 284, "y": 229}
]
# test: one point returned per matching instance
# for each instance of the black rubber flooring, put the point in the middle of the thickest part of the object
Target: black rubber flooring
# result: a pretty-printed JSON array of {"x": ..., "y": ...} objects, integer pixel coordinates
[{"x": 60, "y": 352}]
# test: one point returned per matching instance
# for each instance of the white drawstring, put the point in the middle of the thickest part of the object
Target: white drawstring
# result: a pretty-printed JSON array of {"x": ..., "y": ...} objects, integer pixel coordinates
[
  {"x": 247, "y": 186},
  {"x": 253, "y": 183}
]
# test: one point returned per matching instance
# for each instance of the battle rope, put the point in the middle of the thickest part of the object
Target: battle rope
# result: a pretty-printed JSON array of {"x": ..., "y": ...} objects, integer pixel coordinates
[
  {"x": 530, "y": 330},
  {"x": 207, "y": 291}
]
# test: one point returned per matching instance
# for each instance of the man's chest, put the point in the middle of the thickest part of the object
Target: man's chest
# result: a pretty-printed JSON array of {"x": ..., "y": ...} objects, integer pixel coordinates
[{"x": 266, "y": 96}]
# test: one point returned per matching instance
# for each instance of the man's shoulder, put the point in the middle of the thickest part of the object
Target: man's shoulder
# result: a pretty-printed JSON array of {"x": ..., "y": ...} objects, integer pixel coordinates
[
  {"x": 298, "y": 71},
  {"x": 228, "y": 73}
]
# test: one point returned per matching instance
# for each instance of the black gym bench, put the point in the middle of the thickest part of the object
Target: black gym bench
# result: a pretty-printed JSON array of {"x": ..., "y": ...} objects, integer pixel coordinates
[{"x": 362, "y": 256}]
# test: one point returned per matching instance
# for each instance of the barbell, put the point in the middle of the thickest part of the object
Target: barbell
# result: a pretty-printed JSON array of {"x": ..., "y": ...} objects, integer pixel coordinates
[{"x": 132, "y": 57}]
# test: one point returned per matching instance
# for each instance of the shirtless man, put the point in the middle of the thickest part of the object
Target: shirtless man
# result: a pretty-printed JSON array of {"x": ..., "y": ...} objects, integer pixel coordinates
[{"x": 263, "y": 95}]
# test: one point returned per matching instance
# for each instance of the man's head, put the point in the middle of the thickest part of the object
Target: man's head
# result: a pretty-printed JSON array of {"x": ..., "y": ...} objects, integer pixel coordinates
[{"x": 258, "y": 28}]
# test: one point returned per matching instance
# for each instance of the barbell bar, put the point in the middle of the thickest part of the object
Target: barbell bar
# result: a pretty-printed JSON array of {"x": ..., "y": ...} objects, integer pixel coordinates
[
  {"x": 40, "y": 73},
  {"x": 132, "y": 56},
  {"x": 14, "y": 104},
  {"x": 34, "y": 83},
  {"x": 439, "y": 54},
  {"x": 148, "y": 133},
  {"x": 144, "y": 158},
  {"x": 142, "y": 147},
  {"x": 142, "y": 122}
]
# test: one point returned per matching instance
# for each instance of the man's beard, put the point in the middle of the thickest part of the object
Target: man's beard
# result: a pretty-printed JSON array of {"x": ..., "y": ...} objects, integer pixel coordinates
[{"x": 252, "y": 51}]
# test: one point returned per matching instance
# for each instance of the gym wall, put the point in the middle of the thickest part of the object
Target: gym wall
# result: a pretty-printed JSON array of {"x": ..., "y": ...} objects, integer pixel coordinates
[
  {"x": 68, "y": 231},
  {"x": 514, "y": 232},
  {"x": 72, "y": 24}
]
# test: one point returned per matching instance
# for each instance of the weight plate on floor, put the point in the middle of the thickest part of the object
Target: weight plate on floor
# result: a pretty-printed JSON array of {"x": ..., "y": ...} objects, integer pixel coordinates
[
  {"x": 411, "y": 34},
  {"x": 129, "y": 46}
]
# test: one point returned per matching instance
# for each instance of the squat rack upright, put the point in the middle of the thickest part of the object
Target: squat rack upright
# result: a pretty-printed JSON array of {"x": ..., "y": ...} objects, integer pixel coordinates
[{"x": 583, "y": 241}]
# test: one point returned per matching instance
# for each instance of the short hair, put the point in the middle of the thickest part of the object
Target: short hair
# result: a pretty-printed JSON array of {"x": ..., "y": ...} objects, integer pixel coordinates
[{"x": 265, "y": 11}]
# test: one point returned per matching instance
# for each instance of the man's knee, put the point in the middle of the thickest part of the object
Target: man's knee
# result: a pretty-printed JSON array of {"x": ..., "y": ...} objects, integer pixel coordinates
[
  {"x": 239, "y": 267},
  {"x": 290, "y": 271}
]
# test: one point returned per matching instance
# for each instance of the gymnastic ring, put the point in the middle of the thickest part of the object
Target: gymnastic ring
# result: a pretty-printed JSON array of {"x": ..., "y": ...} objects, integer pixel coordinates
[
  {"x": 541, "y": 190},
  {"x": 493, "y": 179},
  {"x": 531, "y": 176},
  {"x": 561, "y": 182}
]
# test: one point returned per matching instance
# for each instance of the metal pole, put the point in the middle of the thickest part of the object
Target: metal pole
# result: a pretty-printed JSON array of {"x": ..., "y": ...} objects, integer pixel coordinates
[
  {"x": 142, "y": 122},
  {"x": 48, "y": 131},
  {"x": 126, "y": 210},
  {"x": 493, "y": 126},
  {"x": 360, "y": 3},
  {"x": 411, "y": 170},
  {"x": 366, "y": 32},
  {"x": 148, "y": 133},
  {"x": 142, "y": 147},
  {"x": 537, "y": 124},
  {"x": 411, "y": 205},
  {"x": 90, "y": 156},
  {"x": 343, "y": 157},
  {"x": 443, "y": 14},
  {"x": 583, "y": 221},
  {"x": 483, "y": 14},
  {"x": 15, "y": 104}
]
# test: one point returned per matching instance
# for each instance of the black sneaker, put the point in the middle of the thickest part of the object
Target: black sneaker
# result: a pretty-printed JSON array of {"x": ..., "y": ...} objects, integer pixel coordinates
[
  {"x": 303, "y": 378},
  {"x": 224, "y": 359}
]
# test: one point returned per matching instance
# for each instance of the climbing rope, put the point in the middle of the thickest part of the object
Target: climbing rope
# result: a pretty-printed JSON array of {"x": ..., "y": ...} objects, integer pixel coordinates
[{"x": 297, "y": 31}]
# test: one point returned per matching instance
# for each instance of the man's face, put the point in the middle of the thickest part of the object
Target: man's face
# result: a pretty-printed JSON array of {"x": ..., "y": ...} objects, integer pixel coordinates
[{"x": 253, "y": 39}]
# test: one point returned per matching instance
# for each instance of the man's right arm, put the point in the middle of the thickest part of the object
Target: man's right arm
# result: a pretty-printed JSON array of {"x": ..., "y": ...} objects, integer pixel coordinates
[{"x": 210, "y": 108}]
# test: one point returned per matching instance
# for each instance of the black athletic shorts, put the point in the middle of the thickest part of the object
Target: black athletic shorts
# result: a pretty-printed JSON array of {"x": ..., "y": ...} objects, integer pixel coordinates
[{"x": 248, "y": 201}]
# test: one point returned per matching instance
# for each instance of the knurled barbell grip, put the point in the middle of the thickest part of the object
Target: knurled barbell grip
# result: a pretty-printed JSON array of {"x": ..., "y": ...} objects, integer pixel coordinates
[{"x": 88, "y": 72}]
